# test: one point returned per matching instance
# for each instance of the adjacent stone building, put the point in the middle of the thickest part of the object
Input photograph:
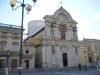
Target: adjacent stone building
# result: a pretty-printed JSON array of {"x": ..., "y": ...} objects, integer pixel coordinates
[
  {"x": 9, "y": 45},
  {"x": 10, "y": 48},
  {"x": 93, "y": 49},
  {"x": 28, "y": 60},
  {"x": 84, "y": 55},
  {"x": 56, "y": 44}
]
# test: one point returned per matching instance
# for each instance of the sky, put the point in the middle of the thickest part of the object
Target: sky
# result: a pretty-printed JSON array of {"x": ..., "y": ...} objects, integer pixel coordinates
[{"x": 85, "y": 12}]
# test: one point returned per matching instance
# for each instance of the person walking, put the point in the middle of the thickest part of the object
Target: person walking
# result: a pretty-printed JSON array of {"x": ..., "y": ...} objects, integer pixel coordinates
[
  {"x": 85, "y": 67},
  {"x": 79, "y": 66}
]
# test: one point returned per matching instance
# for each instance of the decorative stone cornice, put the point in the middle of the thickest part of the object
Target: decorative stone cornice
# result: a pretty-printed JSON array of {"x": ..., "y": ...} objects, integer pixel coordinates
[
  {"x": 56, "y": 44},
  {"x": 15, "y": 43},
  {"x": 64, "y": 47},
  {"x": 3, "y": 41},
  {"x": 44, "y": 45},
  {"x": 28, "y": 44}
]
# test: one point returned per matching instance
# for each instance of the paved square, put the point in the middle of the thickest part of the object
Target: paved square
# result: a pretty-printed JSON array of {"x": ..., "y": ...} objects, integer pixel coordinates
[{"x": 91, "y": 71}]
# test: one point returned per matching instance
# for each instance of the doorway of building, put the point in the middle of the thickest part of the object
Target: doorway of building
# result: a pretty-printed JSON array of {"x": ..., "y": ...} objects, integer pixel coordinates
[
  {"x": 14, "y": 63},
  {"x": 65, "y": 60},
  {"x": 27, "y": 64},
  {"x": 2, "y": 63}
]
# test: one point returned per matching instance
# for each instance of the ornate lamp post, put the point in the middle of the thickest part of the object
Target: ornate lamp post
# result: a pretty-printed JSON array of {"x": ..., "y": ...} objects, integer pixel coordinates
[{"x": 28, "y": 9}]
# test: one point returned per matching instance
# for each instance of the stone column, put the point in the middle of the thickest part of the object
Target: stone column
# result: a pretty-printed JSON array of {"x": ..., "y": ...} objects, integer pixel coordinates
[
  {"x": 58, "y": 62},
  {"x": 60, "y": 58},
  {"x": 48, "y": 56},
  {"x": 43, "y": 55},
  {"x": 73, "y": 49}
]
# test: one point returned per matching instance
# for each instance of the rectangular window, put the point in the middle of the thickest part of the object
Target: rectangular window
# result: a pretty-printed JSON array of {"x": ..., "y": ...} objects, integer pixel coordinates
[
  {"x": 90, "y": 60},
  {"x": 95, "y": 49},
  {"x": 63, "y": 35},
  {"x": 84, "y": 51},
  {"x": 2, "y": 47},
  {"x": 76, "y": 50},
  {"x": 74, "y": 35},
  {"x": 74, "y": 29},
  {"x": 4, "y": 34},
  {"x": 15, "y": 36},
  {"x": 15, "y": 47},
  {"x": 63, "y": 27},
  {"x": 89, "y": 49}
]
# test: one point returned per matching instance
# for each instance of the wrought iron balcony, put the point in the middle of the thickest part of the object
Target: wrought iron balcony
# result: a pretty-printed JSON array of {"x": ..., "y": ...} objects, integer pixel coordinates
[
  {"x": 27, "y": 55},
  {"x": 15, "y": 52},
  {"x": 5, "y": 53}
]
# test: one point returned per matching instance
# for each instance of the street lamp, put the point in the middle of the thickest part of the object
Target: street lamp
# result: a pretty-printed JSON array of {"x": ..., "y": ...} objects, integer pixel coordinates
[{"x": 28, "y": 9}]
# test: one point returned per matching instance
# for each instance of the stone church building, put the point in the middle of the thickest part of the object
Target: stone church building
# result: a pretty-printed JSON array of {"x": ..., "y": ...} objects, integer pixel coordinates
[{"x": 56, "y": 44}]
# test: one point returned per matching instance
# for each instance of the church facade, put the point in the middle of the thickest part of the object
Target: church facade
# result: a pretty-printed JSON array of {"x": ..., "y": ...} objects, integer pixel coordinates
[{"x": 56, "y": 44}]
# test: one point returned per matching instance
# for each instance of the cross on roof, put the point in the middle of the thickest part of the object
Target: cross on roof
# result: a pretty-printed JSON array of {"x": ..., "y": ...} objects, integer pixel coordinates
[{"x": 61, "y": 3}]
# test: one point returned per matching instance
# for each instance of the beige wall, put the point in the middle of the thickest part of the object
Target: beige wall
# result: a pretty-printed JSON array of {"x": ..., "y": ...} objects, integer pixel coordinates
[
  {"x": 38, "y": 55},
  {"x": 35, "y": 38},
  {"x": 84, "y": 55},
  {"x": 93, "y": 46}
]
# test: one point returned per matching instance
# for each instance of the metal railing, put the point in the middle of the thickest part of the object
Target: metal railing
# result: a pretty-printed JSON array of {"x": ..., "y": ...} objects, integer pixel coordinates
[
  {"x": 27, "y": 55},
  {"x": 5, "y": 53},
  {"x": 15, "y": 52},
  {"x": 8, "y": 25}
]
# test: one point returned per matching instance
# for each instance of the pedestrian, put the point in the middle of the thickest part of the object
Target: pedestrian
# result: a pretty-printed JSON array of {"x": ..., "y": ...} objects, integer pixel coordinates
[
  {"x": 79, "y": 66},
  {"x": 85, "y": 67}
]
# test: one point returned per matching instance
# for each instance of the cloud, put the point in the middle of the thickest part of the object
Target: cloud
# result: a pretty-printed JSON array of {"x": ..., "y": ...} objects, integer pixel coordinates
[{"x": 96, "y": 16}]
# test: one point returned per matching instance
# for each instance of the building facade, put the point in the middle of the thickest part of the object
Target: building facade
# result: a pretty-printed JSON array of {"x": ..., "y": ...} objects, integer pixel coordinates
[
  {"x": 57, "y": 42},
  {"x": 84, "y": 55},
  {"x": 93, "y": 46},
  {"x": 10, "y": 47},
  {"x": 28, "y": 60}
]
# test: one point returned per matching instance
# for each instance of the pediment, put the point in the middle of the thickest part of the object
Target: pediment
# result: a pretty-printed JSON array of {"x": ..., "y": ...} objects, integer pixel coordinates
[
  {"x": 3, "y": 41},
  {"x": 64, "y": 47},
  {"x": 60, "y": 15},
  {"x": 15, "y": 43}
]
